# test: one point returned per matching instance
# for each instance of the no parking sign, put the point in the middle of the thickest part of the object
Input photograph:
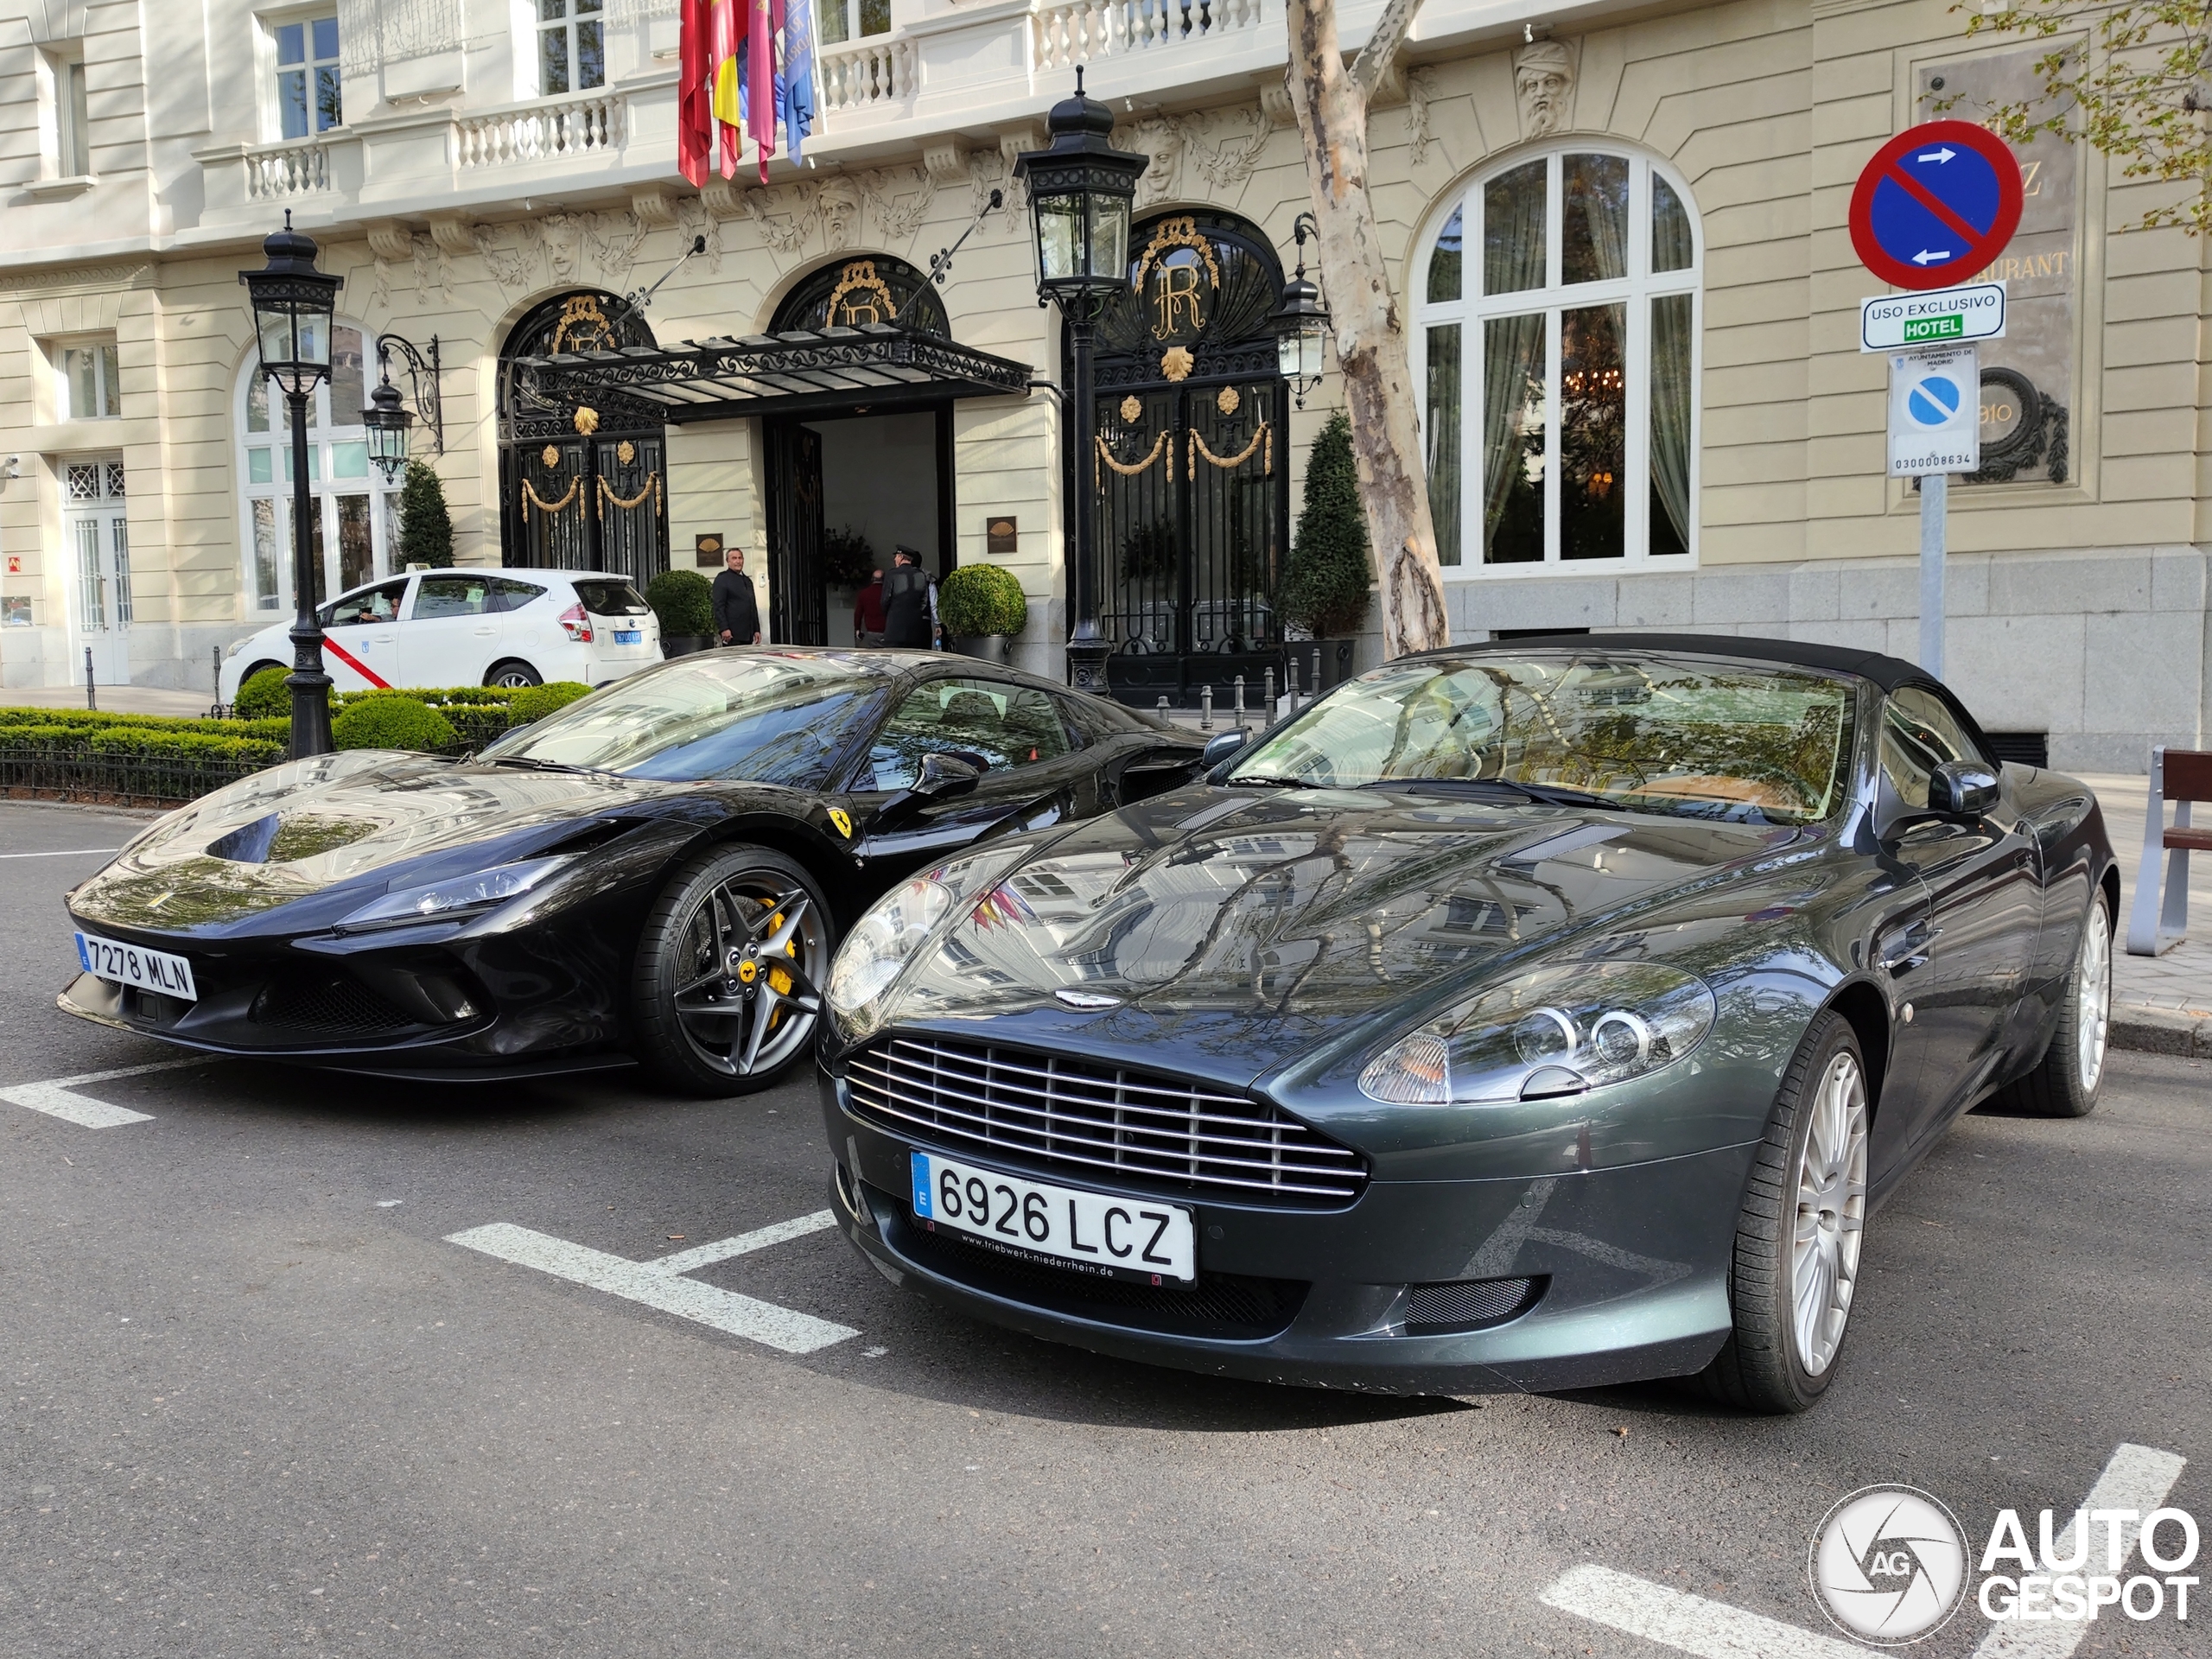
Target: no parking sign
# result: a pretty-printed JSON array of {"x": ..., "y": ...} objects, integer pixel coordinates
[{"x": 1934, "y": 412}]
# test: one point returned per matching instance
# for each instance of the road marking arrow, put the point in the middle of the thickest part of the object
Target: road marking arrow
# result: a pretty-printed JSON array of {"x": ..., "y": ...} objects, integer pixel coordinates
[
  {"x": 1924, "y": 258},
  {"x": 1943, "y": 154}
]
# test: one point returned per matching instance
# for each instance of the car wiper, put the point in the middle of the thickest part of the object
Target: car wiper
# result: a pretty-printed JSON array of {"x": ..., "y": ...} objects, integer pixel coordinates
[
  {"x": 534, "y": 764},
  {"x": 1536, "y": 794},
  {"x": 1272, "y": 783}
]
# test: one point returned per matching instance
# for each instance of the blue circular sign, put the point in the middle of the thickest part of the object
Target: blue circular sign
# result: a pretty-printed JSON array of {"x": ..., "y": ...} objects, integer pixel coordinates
[{"x": 1934, "y": 401}]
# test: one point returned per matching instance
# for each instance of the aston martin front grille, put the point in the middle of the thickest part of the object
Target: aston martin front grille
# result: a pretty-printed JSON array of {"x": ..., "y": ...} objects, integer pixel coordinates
[{"x": 1079, "y": 1117}]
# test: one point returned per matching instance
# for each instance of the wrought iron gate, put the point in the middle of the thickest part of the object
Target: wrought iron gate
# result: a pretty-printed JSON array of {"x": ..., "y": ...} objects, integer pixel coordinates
[
  {"x": 1189, "y": 476},
  {"x": 799, "y": 587}
]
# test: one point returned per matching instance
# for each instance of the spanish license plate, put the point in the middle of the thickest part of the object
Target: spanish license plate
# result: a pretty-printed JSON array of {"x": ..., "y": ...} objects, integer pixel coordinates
[
  {"x": 133, "y": 964},
  {"x": 629, "y": 636},
  {"x": 1111, "y": 1236}
]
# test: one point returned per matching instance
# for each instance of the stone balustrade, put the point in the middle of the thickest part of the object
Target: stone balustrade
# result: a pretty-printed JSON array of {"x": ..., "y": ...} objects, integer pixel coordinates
[{"x": 539, "y": 133}]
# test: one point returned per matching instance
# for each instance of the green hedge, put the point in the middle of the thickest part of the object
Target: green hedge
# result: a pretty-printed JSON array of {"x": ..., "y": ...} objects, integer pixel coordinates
[
  {"x": 78, "y": 752},
  {"x": 982, "y": 598}
]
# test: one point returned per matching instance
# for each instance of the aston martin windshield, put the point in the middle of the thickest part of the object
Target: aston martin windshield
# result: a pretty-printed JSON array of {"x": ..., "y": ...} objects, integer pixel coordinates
[
  {"x": 1643, "y": 733},
  {"x": 762, "y": 717}
]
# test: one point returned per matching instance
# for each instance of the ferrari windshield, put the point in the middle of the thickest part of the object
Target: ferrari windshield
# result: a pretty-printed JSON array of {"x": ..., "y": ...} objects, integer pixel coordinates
[
  {"x": 760, "y": 716},
  {"x": 1740, "y": 741}
]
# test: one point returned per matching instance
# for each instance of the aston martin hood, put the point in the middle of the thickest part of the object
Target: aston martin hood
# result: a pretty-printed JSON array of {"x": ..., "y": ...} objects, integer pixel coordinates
[
  {"x": 308, "y": 826},
  {"x": 1281, "y": 917}
]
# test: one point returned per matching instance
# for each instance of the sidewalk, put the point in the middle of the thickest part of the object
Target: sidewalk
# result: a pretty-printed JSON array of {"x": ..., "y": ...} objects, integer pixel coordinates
[
  {"x": 114, "y": 699},
  {"x": 2163, "y": 1004}
]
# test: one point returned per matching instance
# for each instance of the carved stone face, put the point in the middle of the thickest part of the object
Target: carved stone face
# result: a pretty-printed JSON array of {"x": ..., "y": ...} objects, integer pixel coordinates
[
  {"x": 1543, "y": 75},
  {"x": 841, "y": 210}
]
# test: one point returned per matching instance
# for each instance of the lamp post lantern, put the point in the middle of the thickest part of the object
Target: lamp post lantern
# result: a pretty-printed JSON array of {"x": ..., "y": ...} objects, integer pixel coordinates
[
  {"x": 387, "y": 421},
  {"x": 1301, "y": 322},
  {"x": 292, "y": 307},
  {"x": 1081, "y": 190}
]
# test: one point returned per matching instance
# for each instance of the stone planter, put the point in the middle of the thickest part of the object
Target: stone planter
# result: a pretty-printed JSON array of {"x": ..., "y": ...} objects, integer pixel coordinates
[
  {"x": 683, "y": 644},
  {"x": 983, "y": 647}
]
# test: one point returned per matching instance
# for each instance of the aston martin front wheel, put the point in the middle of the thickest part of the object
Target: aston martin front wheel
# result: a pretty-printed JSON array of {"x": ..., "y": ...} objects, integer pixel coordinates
[
  {"x": 1795, "y": 1269},
  {"x": 724, "y": 994},
  {"x": 2065, "y": 1081}
]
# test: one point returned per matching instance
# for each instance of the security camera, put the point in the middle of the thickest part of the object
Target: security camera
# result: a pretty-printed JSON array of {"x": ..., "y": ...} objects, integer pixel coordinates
[{"x": 10, "y": 468}]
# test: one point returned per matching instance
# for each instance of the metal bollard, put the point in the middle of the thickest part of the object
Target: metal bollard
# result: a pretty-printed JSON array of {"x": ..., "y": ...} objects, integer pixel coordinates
[
  {"x": 1240, "y": 702},
  {"x": 1291, "y": 687},
  {"x": 1317, "y": 670},
  {"x": 1270, "y": 692},
  {"x": 1163, "y": 705},
  {"x": 91, "y": 696},
  {"x": 1205, "y": 707}
]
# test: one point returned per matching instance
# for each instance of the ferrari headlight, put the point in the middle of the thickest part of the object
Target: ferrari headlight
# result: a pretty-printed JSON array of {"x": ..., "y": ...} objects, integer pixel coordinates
[
  {"x": 1552, "y": 1031},
  {"x": 482, "y": 891},
  {"x": 885, "y": 940}
]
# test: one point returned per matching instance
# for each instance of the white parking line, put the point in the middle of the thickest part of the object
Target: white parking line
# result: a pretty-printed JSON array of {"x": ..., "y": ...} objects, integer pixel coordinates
[
  {"x": 705, "y": 1256},
  {"x": 65, "y": 852},
  {"x": 2136, "y": 1477},
  {"x": 55, "y": 1098},
  {"x": 1713, "y": 1630},
  {"x": 657, "y": 1286}
]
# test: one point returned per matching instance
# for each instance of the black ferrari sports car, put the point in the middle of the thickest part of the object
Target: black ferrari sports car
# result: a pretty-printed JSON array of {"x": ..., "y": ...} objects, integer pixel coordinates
[
  {"x": 659, "y": 871},
  {"x": 1530, "y": 1015}
]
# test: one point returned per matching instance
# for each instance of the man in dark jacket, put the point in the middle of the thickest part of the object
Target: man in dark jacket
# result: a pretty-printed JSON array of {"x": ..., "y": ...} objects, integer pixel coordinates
[
  {"x": 737, "y": 610},
  {"x": 909, "y": 604}
]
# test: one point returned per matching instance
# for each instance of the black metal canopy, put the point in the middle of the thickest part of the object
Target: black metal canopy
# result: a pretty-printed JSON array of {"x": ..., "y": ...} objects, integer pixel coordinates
[{"x": 800, "y": 372}]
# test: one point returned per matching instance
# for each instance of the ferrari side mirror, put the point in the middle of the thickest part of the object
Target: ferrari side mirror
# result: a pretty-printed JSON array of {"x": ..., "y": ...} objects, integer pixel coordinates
[
  {"x": 1226, "y": 747},
  {"x": 946, "y": 774},
  {"x": 1963, "y": 789}
]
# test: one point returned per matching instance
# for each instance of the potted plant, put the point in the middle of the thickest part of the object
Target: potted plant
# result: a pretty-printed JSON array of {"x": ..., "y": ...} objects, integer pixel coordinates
[
  {"x": 683, "y": 601},
  {"x": 848, "y": 561},
  {"x": 1326, "y": 581},
  {"x": 980, "y": 607},
  {"x": 425, "y": 526}
]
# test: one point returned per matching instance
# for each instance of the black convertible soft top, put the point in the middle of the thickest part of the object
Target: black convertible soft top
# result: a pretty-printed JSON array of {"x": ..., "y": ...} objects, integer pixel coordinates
[{"x": 1888, "y": 672}]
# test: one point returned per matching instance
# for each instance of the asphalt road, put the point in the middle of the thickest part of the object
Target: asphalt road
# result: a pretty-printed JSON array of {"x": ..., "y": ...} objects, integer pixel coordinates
[{"x": 256, "y": 1404}]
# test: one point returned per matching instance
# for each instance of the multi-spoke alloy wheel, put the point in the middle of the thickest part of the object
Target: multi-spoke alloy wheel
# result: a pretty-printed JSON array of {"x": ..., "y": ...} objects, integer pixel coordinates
[
  {"x": 728, "y": 966},
  {"x": 2092, "y": 990},
  {"x": 1831, "y": 1213},
  {"x": 1794, "y": 1271}
]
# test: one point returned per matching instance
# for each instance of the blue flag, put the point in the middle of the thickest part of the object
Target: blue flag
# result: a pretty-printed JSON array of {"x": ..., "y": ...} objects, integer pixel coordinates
[{"x": 795, "y": 85}]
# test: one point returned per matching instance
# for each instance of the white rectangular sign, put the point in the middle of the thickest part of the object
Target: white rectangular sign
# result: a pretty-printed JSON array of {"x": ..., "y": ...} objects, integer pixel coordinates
[
  {"x": 1942, "y": 316},
  {"x": 1934, "y": 412}
]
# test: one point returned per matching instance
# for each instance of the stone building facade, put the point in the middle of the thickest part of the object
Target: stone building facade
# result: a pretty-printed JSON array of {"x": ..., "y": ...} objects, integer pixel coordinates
[{"x": 1620, "y": 251}]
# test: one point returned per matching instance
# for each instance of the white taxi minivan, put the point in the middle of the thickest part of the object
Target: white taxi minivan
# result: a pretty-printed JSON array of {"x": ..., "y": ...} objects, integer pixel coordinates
[{"x": 510, "y": 627}]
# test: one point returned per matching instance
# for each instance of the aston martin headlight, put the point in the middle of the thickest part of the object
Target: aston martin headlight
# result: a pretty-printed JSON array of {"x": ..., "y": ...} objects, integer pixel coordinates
[
  {"x": 1550, "y": 1033},
  {"x": 885, "y": 940},
  {"x": 485, "y": 890}
]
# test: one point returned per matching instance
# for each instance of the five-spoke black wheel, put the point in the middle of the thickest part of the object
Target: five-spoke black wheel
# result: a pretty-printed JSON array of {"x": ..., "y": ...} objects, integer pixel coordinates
[{"x": 724, "y": 994}]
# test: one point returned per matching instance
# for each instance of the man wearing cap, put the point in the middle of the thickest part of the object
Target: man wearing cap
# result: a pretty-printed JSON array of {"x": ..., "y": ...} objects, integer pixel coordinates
[{"x": 909, "y": 603}]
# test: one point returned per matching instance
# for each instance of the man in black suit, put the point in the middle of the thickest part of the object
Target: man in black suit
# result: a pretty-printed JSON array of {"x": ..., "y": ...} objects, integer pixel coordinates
[
  {"x": 737, "y": 610},
  {"x": 909, "y": 604}
]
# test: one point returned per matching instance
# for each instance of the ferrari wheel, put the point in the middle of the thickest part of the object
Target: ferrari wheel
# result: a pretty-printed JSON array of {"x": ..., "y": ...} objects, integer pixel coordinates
[
  {"x": 1798, "y": 1235},
  {"x": 724, "y": 994},
  {"x": 2065, "y": 1081}
]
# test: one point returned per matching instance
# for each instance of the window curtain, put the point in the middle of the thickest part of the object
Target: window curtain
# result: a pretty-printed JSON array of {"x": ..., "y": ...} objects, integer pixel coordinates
[
  {"x": 1595, "y": 191},
  {"x": 1514, "y": 236},
  {"x": 1445, "y": 405},
  {"x": 1670, "y": 419}
]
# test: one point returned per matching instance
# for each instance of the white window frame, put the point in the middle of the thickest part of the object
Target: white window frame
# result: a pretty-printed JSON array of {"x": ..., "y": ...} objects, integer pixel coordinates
[
  {"x": 1473, "y": 309},
  {"x": 849, "y": 11},
  {"x": 65, "y": 125},
  {"x": 540, "y": 28},
  {"x": 324, "y": 439},
  {"x": 65, "y": 401},
  {"x": 270, "y": 96}
]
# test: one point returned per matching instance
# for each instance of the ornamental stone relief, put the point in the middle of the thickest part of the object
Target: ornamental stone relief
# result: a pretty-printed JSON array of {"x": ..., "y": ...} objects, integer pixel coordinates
[{"x": 1543, "y": 80}]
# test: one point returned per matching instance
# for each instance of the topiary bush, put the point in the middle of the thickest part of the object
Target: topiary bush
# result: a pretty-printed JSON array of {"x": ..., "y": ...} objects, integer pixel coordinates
[
  {"x": 1325, "y": 582},
  {"x": 265, "y": 696},
  {"x": 392, "y": 720},
  {"x": 425, "y": 526},
  {"x": 982, "y": 598},
  {"x": 536, "y": 701},
  {"x": 683, "y": 601}
]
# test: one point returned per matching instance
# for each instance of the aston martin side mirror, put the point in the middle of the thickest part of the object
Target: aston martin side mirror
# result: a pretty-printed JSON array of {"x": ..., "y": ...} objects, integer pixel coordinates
[
  {"x": 1226, "y": 747},
  {"x": 1963, "y": 789},
  {"x": 946, "y": 774}
]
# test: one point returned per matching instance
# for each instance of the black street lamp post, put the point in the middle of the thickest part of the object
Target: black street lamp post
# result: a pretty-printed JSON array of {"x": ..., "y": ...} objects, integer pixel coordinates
[
  {"x": 1080, "y": 193},
  {"x": 292, "y": 307},
  {"x": 387, "y": 418},
  {"x": 1301, "y": 322}
]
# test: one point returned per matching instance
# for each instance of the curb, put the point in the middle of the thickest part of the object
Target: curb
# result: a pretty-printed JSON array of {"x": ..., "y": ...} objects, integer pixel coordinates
[{"x": 2186, "y": 1031}]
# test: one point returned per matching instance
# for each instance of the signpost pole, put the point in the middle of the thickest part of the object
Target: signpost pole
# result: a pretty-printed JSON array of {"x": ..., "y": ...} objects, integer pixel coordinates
[{"x": 1935, "y": 490}]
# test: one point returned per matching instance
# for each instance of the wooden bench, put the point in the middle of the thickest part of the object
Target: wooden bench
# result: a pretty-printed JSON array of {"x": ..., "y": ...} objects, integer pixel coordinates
[{"x": 2180, "y": 776}]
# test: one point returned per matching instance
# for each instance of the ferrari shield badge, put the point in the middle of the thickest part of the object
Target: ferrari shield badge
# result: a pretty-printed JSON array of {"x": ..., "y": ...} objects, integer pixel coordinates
[{"x": 843, "y": 821}]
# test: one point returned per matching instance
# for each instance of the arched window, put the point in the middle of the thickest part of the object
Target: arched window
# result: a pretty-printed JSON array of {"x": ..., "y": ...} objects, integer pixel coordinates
[
  {"x": 355, "y": 528},
  {"x": 1557, "y": 339}
]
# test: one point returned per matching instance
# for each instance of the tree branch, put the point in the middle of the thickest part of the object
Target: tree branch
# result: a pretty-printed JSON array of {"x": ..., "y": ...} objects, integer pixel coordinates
[{"x": 1374, "y": 60}]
